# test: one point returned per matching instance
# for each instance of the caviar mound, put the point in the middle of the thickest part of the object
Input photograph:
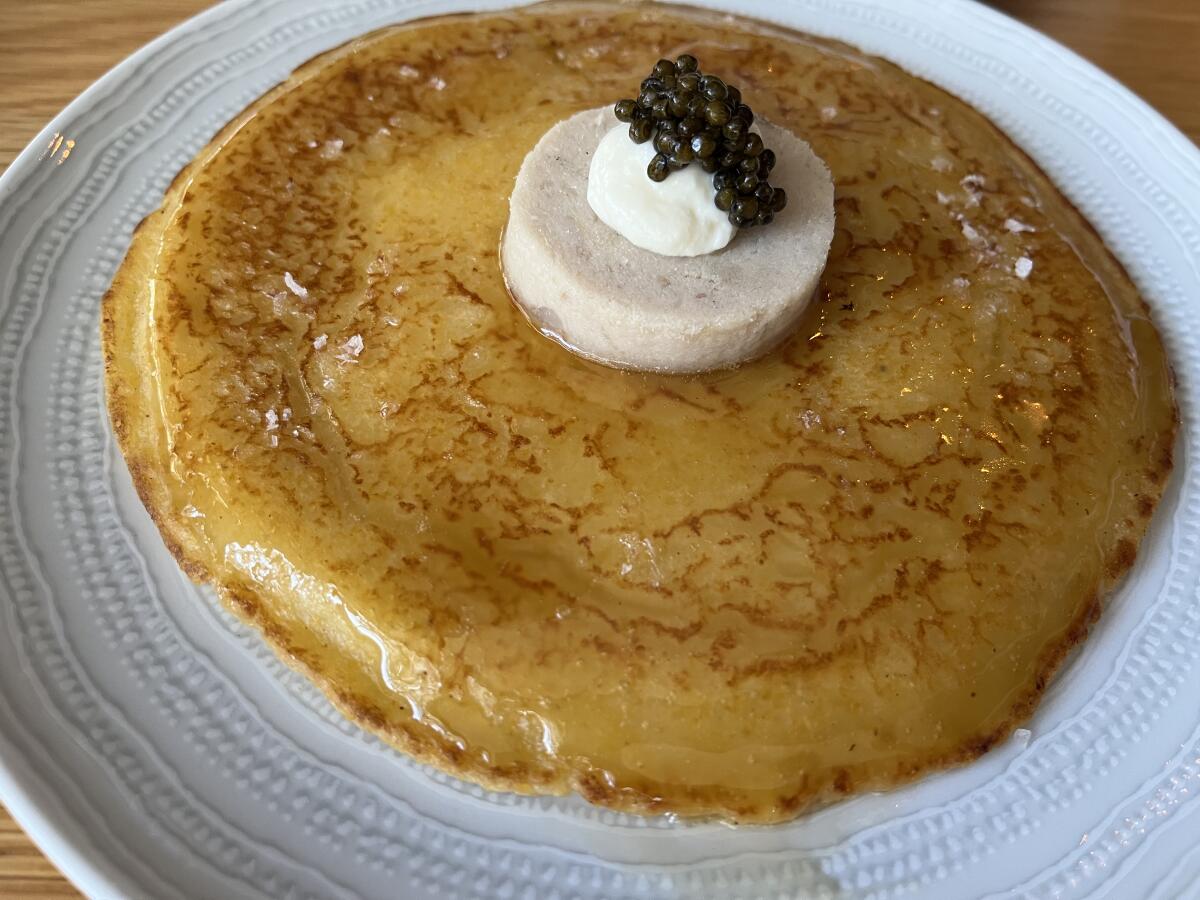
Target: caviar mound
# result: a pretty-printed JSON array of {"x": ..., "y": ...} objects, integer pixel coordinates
[
  {"x": 740, "y": 594},
  {"x": 698, "y": 119}
]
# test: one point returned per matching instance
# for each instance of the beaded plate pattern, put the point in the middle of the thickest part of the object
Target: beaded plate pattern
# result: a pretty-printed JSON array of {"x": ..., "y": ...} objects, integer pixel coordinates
[{"x": 154, "y": 747}]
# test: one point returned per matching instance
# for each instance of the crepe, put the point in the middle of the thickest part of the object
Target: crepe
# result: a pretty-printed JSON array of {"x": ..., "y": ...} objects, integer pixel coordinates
[{"x": 741, "y": 594}]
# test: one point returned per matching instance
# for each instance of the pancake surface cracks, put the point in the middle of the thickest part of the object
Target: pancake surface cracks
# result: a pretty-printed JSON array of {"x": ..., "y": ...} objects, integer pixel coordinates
[{"x": 854, "y": 560}]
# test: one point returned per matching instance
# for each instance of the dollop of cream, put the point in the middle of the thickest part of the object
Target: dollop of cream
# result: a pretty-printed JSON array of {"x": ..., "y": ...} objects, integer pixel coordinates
[{"x": 674, "y": 217}]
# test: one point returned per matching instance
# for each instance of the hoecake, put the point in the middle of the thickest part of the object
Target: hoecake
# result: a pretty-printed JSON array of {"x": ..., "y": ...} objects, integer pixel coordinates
[{"x": 586, "y": 286}]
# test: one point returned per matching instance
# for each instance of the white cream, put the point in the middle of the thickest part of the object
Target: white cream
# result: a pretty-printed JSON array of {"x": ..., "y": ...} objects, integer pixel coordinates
[{"x": 674, "y": 217}]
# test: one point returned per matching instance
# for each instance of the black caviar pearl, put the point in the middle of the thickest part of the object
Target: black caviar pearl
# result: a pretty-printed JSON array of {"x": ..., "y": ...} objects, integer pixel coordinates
[
  {"x": 722, "y": 180},
  {"x": 713, "y": 88},
  {"x": 765, "y": 218},
  {"x": 730, "y": 160},
  {"x": 704, "y": 146},
  {"x": 624, "y": 110},
  {"x": 663, "y": 141},
  {"x": 747, "y": 184},
  {"x": 764, "y": 194},
  {"x": 716, "y": 112},
  {"x": 734, "y": 96},
  {"x": 725, "y": 199},
  {"x": 658, "y": 169},
  {"x": 766, "y": 161},
  {"x": 709, "y": 164},
  {"x": 683, "y": 154},
  {"x": 748, "y": 165},
  {"x": 640, "y": 130},
  {"x": 697, "y": 105},
  {"x": 661, "y": 108},
  {"x": 738, "y": 221},
  {"x": 664, "y": 68},
  {"x": 743, "y": 113},
  {"x": 745, "y": 207},
  {"x": 653, "y": 84},
  {"x": 679, "y": 102},
  {"x": 753, "y": 145},
  {"x": 686, "y": 64},
  {"x": 688, "y": 81},
  {"x": 734, "y": 129},
  {"x": 646, "y": 99},
  {"x": 779, "y": 201}
]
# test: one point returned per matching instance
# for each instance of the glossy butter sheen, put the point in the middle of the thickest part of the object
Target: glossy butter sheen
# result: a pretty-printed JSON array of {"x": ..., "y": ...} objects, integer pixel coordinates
[{"x": 740, "y": 594}]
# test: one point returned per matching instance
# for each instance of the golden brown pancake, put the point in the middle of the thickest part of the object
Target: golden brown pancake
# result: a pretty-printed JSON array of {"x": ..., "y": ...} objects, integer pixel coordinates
[{"x": 738, "y": 594}]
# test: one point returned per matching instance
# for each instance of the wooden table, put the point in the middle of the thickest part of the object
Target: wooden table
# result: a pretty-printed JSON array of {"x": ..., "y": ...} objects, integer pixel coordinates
[{"x": 52, "y": 49}]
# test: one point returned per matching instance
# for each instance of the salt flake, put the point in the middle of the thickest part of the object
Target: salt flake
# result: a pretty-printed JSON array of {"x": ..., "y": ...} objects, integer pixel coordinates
[
  {"x": 351, "y": 348},
  {"x": 294, "y": 286}
]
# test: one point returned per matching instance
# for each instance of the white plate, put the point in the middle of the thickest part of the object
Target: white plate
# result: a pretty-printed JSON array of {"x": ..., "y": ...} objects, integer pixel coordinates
[{"x": 155, "y": 748}]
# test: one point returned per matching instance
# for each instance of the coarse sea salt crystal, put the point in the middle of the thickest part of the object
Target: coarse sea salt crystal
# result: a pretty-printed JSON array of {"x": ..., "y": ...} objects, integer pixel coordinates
[
  {"x": 294, "y": 286},
  {"x": 1023, "y": 267},
  {"x": 352, "y": 348}
]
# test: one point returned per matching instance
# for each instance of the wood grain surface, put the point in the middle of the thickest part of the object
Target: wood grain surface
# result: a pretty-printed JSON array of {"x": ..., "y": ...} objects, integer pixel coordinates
[{"x": 53, "y": 49}]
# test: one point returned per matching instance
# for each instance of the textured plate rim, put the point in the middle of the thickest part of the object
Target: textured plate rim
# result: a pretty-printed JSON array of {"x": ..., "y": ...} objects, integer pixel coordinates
[{"x": 22, "y": 790}]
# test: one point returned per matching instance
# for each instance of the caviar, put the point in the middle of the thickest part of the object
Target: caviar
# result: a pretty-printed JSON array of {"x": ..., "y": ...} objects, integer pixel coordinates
[{"x": 696, "y": 118}]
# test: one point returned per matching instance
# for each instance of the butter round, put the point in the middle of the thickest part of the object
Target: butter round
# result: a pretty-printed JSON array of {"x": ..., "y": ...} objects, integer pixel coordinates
[{"x": 584, "y": 285}]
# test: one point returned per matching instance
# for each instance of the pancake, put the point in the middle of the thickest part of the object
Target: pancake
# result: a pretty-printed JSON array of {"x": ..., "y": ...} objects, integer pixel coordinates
[{"x": 740, "y": 594}]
